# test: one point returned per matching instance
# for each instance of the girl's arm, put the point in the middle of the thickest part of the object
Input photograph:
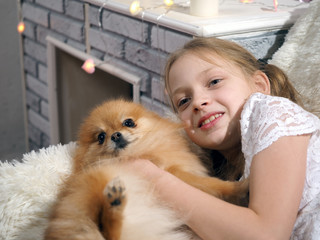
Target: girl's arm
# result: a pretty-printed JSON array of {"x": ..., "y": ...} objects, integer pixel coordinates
[{"x": 276, "y": 184}]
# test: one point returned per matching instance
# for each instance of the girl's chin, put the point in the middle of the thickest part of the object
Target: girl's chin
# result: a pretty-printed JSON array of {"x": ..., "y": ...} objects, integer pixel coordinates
[{"x": 213, "y": 141}]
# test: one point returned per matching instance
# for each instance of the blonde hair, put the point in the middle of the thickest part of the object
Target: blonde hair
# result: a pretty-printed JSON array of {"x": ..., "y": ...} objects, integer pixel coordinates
[
  {"x": 230, "y": 51},
  {"x": 232, "y": 168}
]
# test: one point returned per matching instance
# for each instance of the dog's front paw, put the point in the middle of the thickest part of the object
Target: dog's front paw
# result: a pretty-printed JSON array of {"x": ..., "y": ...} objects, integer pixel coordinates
[{"x": 114, "y": 192}]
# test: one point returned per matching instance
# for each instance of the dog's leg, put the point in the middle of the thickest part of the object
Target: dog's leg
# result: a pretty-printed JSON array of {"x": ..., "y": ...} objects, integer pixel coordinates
[
  {"x": 234, "y": 192},
  {"x": 115, "y": 201},
  {"x": 76, "y": 215}
]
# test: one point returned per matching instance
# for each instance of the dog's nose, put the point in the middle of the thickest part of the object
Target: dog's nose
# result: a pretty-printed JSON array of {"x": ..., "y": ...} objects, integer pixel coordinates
[
  {"x": 116, "y": 137},
  {"x": 119, "y": 140}
]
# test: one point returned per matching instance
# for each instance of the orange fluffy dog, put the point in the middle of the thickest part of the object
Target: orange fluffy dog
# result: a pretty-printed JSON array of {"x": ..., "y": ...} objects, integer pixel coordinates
[{"x": 103, "y": 199}]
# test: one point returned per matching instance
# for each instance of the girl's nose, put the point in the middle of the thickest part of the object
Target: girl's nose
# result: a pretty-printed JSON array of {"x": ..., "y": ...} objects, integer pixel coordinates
[{"x": 200, "y": 104}]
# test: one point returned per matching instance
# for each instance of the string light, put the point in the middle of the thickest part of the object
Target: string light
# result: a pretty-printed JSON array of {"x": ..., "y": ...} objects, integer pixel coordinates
[
  {"x": 21, "y": 27},
  {"x": 246, "y": 1},
  {"x": 168, "y": 3},
  {"x": 135, "y": 7},
  {"x": 275, "y": 3},
  {"x": 89, "y": 66},
  {"x": 275, "y": 6}
]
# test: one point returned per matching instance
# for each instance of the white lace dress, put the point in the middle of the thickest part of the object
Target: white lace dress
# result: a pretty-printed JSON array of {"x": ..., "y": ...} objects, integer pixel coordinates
[{"x": 264, "y": 119}]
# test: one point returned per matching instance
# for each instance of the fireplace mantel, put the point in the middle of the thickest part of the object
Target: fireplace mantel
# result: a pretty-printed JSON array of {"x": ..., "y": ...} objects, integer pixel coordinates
[
  {"x": 130, "y": 49},
  {"x": 234, "y": 16}
]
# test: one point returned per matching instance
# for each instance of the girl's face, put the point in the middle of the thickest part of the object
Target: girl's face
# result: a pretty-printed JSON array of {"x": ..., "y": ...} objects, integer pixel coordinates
[{"x": 209, "y": 99}]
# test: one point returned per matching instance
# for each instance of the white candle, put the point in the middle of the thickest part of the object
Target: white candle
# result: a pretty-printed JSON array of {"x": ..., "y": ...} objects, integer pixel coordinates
[{"x": 204, "y": 8}]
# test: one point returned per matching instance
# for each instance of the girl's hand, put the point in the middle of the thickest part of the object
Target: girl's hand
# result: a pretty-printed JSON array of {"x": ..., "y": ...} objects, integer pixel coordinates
[{"x": 146, "y": 169}]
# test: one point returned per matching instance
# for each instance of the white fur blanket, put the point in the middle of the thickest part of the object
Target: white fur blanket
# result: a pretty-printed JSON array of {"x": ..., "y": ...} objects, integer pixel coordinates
[
  {"x": 299, "y": 57},
  {"x": 28, "y": 189}
]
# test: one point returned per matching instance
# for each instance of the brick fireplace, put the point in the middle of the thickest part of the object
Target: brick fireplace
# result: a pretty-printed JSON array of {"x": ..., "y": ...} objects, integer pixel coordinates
[{"x": 127, "y": 44}]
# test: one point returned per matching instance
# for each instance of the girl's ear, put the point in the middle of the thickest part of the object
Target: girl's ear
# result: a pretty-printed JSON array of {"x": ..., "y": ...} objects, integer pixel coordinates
[{"x": 261, "y": 82}]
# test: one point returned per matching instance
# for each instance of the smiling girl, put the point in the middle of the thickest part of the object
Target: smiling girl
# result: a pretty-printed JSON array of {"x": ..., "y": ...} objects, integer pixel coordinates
[{"x": 243, "y": 109}]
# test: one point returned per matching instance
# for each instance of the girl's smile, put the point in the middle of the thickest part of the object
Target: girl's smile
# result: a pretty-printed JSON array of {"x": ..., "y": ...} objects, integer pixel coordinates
[{"x": 209, "y": 120}]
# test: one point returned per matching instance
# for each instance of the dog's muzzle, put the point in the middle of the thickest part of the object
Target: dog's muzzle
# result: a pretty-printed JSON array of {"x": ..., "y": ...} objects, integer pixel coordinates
[{"x": 119, "y": 140}]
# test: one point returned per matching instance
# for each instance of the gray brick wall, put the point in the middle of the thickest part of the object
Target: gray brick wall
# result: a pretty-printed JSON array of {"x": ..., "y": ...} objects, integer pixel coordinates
[
  {"x": 134, "y": 45},
  {"x": 263, "y": 46},
  {"x": 33, "y": 101},
  {"x": 37, "y": 51},
  {"x": 30, "y": 31},
  {"x": 126, "y": 26},
  {"x": 108, "y": 42},
  {"x": 39, "y": 121},
  {"x": 145, "y": 57},
  {"x": 66, "y": 26},
  {"x": 167, "y": 41},
  {"x": 37, "y": 87},
  {"x": 42, "y": 73},
  {"x": 30, "y": 65},
  {"x": 42, "y": 33},
  {"x": 36, "y": 14},
  {"x": 75, "y": 9},
  {"x": 56, "y": 5}
]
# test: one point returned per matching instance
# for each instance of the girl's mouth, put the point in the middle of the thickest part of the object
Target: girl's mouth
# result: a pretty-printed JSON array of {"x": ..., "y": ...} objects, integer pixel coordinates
[{"x": 208, "y": 121}]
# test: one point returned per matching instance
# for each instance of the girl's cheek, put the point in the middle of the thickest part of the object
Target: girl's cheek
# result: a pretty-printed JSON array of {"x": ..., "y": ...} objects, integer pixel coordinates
[
  {"x": 189, "y": 128},
  {"x": 187, "y": 120},
  {"x": 184, "y": 116},
  {"x": 187, "y": 123}
]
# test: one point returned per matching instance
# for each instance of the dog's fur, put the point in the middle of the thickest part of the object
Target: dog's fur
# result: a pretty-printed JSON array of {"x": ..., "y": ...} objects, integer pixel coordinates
[{"x": 103, "y": 199}]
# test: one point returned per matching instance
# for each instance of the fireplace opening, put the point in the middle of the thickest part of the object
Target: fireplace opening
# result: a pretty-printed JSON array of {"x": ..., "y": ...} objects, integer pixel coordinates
[
  {"x": 78, "y": 92},
  {"x": 73, "y": 93}
]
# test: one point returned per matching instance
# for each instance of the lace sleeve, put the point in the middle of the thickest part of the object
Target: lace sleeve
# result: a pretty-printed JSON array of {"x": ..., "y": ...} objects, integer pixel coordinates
[{"x": 266, "y": 118}]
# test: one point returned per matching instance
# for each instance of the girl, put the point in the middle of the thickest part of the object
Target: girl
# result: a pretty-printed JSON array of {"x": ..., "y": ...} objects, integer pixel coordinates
[{"x": 229, "y": 103}]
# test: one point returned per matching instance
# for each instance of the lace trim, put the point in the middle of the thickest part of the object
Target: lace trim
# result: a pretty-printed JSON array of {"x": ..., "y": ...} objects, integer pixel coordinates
[{"x": 265, "y": 119}]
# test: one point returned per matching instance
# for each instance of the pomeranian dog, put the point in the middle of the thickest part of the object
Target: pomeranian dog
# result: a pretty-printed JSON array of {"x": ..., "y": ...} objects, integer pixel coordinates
[{"x": 104, "y": 199}]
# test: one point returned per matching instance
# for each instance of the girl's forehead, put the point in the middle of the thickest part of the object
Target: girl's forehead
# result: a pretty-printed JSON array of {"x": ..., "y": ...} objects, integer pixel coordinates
[
  {"x": 209, "y": 57},
  {"x": 201, "y": 60}
]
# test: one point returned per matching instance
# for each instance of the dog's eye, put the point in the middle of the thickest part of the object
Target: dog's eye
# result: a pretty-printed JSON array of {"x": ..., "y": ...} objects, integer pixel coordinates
[
  {"x": 129, "y": 123},
  {"x": 101, "y": 137}
]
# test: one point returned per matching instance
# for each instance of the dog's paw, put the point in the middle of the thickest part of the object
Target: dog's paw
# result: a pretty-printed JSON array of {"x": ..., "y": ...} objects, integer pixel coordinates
[{"x": 114, "y": 192}]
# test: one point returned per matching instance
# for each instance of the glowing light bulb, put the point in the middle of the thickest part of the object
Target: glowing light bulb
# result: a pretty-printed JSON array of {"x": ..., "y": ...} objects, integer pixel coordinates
[
  {"x": 88, "y": 66},
  {"x": 21, "y": 27},
  {"x": 275, "y": 3},
  {"x": 135, "y": 7},
  {"x": 169, "y": 3},
  {"x": 246, "y": 1}
]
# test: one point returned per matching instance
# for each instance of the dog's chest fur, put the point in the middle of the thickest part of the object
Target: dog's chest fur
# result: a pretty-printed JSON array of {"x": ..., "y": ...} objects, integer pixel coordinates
[{"x": 144, "y": 216}]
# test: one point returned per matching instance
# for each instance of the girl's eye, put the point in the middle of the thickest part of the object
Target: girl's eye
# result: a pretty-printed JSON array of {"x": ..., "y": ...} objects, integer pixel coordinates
[
  {"x": 214, "y": 82},
  {"x": 129, "y": 123},
  {"x": 183, "y": 102},
  {"x": 101, "y": 137}
]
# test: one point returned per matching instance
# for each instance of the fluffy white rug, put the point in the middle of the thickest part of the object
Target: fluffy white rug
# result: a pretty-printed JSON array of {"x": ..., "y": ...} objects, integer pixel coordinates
[
  {"x": 28, "y": 190},
  {"x": 299, "y": 56}
]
